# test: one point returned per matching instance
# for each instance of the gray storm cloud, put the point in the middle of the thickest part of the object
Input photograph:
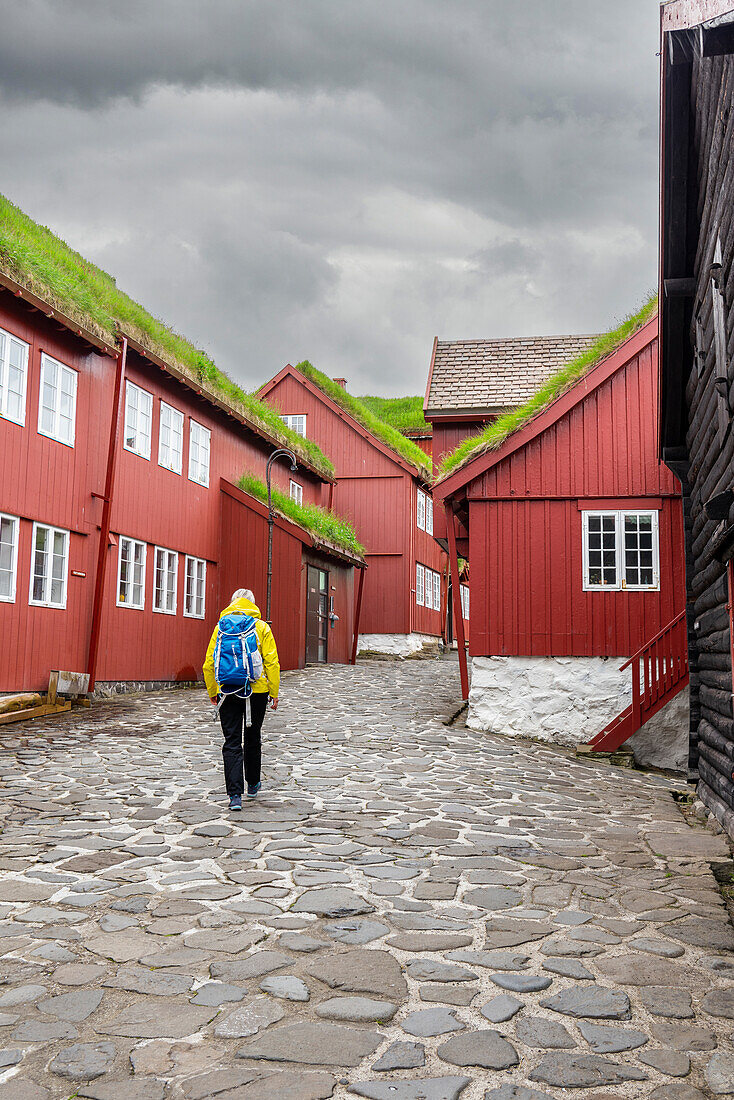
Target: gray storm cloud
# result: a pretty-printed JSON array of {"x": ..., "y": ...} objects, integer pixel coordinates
[{"x": 343, "y": 181}]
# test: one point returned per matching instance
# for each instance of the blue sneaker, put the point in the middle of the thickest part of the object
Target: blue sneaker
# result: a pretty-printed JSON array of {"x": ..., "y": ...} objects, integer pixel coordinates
[
  {"x": 252, "y": 789},
  {"x": 235, "y": 802}
]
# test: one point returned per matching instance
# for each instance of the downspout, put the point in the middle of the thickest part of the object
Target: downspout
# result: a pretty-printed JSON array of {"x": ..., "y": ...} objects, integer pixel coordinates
[
  {"x": 456, "y": 600},
  {"x": 357, "y": 616},
  {"x": 104, "y": 534}
]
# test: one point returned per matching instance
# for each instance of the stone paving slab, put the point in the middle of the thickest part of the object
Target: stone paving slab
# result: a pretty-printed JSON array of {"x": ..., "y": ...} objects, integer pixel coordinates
[{"x": 407, "y": 911}]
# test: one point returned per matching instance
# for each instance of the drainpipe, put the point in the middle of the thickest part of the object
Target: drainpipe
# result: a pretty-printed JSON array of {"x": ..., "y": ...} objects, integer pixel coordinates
[
  {"x": 456, "y": 599},
  {"x": 357, "y": 616},
  {"x": 104, "y": 534}
]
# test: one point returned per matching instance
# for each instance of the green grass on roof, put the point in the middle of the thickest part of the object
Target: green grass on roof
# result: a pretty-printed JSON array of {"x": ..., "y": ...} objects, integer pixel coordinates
[
  {"x": 497, "y": 432},
  {"x": 405, "y": 414},
  {"x": 317, "y": 521},
  {"x": 40, "y": 261},
  {"x": 406, "y": 448}
]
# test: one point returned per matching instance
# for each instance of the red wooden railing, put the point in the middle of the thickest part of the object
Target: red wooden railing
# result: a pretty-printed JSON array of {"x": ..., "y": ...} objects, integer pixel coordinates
[{"x": 659, "y": 672}]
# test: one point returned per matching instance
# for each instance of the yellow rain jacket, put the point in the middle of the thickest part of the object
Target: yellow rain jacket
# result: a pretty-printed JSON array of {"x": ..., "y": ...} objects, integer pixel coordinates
[{"x": 270, "y": 679}]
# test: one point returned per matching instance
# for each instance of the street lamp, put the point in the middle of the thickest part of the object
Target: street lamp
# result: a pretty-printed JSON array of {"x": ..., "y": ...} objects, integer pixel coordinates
[{"x": 282, "y": 452}]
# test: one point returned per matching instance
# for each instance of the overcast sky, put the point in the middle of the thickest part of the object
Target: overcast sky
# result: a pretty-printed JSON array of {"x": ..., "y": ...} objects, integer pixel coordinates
[{"x": 342, "y": 180}]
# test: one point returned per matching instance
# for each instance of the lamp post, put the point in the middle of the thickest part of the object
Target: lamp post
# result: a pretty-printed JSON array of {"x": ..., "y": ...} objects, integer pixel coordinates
[{"x": 282, "y": 452}]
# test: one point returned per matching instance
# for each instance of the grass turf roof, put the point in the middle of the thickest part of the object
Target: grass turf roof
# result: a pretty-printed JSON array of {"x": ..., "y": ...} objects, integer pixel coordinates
[
  {"x": 40, "y": 261},
  {"x": 406, "y": 448},
  {"x": 405, "y": 414},
  {"x": 497, "y": 432},
  {"x": 317, "y": 521}
]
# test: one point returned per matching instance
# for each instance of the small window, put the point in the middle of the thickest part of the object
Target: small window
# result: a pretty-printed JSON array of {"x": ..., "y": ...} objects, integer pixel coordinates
[
  {"x": 9, "y": 526},
  {"x": 296, "y": 422},
  {"x": 199, "y": 446},
  {"x": 419, "y": 584},
  {"x": 436, "y": 591},
  {"x": 464, "y": 600},
  {"x": 195, "y": 592},
  {"x": 131, "y": 574},
  {"x": 429, "y": 514},
  {"x": 49, "y": 566},
  {"x": 296, "y": 492},
  {"x": 138, "y": 419},
  {"x": 170, "y": 438},
  {"x": 421, "y": 510},
  {"x": 57, "y": 403},
  {"x": 621, "y": 550},
  {"x": 13, "y": 372},
  {"x": 165, "y": 586}
]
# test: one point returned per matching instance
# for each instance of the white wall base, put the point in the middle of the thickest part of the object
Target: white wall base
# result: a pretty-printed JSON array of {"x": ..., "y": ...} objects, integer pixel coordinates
[
  {"x": 396, "y": 645},
  {"x": 567, "y": 700}
]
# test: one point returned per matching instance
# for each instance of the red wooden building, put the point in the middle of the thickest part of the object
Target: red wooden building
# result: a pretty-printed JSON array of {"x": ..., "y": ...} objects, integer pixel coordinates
[
  {"x": 573, "y": 531},
  {"x": 122, "y": 531},
  {"x": 387, "y": 498}
]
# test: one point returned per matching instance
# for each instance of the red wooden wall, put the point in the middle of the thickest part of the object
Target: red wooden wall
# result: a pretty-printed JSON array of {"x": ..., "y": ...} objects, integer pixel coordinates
[
  {"x": 44, "y": 480},
  {"x": 379, "y": 496},
  {"x": 525, "y": 536}
]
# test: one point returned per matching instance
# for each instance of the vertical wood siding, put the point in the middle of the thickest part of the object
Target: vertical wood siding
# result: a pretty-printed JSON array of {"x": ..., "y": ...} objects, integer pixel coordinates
[
  {"x": 525, "y": 529},
  {"x": 379, "y": 497}
]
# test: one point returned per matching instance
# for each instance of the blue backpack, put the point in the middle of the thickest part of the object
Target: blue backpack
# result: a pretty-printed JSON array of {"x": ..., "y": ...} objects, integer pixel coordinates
[{"x": 238, "y": 661}]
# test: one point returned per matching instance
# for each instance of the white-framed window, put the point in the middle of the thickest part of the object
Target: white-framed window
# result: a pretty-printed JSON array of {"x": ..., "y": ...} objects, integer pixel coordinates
[
  {"x": 419, "y": 584},
  {"x": 436, "y": 591},
  {"x": 199, "y": 449},
  {"x": 170, "y": 438},
  {"x": 49, "y": 566},
  {"x": 57, "y": 401},
  {"x": 165, "y": 581},
  {"x": 9, "y": 527},
  {"x": 620, "y": 550},
  {"x": 13, "y": 374},
  {"x": 421, "y": 510},
  {"x": 464, "y": 590},
  {"x": 296, "y": 491},
  {"x": 429, "y": 514},
  {"x": 131, "y": 573},
  {"x": 296, "y": 422},
  {"x": 138, "y": 420},
  {"x": 195, "y": 588}
]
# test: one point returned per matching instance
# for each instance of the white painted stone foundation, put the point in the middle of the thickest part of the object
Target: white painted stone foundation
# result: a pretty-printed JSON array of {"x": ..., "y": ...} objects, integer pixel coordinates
[
  {"x": 567, "y": 701},
  {"x": 396, "y": 645}
]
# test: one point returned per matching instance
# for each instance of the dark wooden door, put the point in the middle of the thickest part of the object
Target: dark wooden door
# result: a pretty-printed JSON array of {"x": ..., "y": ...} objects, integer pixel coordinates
[{"x": 317, "y": 615}]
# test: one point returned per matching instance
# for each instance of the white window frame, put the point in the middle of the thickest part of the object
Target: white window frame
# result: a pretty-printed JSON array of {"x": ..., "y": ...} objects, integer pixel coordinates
[
  {"x": 195, "y": 563},
  {"x": 429, "y": 514},
  {"x": 47, "y": 576},
  {"x": 292, "y": 421},
  {"x": 197, "y": 447},
  {"x": 143, "y": 396},
  {"x": 176, "y": 417},
  {"x": 436, "y": 591},
  {"x": 133, "y": 543},
  {"x": 172, "y": 555},
  {"x": 420, "y": 574},
  {"x": 49, "y": 363},
  {"x": 6, "y": 339},
  {"x": 619, "y": 550},
  {"x": 296, "y": 492},
  {"x": 15, "y": 521},
  {"x": 464, "y": 591},
  {"x": 420, "y": 517}
]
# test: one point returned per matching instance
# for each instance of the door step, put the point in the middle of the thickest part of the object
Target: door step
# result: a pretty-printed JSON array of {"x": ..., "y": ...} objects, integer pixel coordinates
[{"x": 621, "y": 758}]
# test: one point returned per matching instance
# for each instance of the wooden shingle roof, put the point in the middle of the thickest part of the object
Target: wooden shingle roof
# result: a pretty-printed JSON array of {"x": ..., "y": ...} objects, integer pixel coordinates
[{"x": 493, "y": 375}]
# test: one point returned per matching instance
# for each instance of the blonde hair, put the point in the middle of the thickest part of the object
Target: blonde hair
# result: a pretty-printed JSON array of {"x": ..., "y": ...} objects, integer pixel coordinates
[{"x": 242, "y": 594}]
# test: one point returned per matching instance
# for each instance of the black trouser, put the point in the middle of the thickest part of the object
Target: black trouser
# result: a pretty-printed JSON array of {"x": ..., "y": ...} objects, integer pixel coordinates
[{"x": 232, "y": 717}]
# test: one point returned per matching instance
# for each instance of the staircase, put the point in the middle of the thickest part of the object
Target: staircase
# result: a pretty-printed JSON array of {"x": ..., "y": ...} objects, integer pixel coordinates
[{"x": 659, "y": 672}]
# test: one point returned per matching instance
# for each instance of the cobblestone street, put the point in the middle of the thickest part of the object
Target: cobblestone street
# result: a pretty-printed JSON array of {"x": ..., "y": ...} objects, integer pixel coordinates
[{"x": 407, "y": 912}]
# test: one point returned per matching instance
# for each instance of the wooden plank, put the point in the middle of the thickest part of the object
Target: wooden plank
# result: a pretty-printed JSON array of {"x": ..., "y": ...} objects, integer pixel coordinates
[
  {"x": 34, "y": 712},
  {"x": 25, "y": 699}
]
